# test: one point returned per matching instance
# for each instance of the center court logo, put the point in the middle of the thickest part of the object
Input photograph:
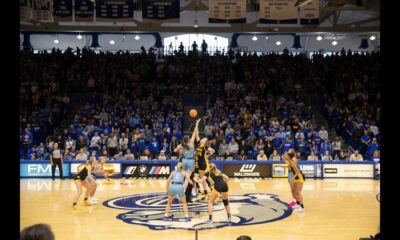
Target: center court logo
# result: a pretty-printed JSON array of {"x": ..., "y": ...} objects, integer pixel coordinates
[{"x": 247, "y": 209}]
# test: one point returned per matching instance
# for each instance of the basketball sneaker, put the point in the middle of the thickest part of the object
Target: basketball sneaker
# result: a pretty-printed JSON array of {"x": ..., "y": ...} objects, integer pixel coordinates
[
  {"x": 186, "y": 219},
  {"x": 93, "y": 199},
  {"x": 87, "y": 202},
  {"x": 299, "y": 209},
  {"x": 165, "y": 219}
]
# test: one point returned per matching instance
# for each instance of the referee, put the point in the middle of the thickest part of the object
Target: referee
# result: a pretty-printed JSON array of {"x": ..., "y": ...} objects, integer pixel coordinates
[{"x": 56, "y": 159}]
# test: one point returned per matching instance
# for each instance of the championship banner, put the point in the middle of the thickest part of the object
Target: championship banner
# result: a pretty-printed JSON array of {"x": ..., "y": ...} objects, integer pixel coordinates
[
  {"x": 280, "y": 170},
  {"x": 84, "y": 10},
  {"x": 349, "y": 170},
  {"x": 278, "y": 11},
  {"x": 160, "y": 11},
  {"x": 309, "y": 13},
  {"x": 247, "y": 170},
  {"x": 145, "y": 170},
  {"x": 227, "y": 11},
  {"x": 115, "y": 168},
  {"x": 24, "y": 10},
  {"x": 41, "y": 170},
  {"x": 42, "y": 10},
  {"x": 62, "y": 10},
  {"x": 114, "y": 10}
]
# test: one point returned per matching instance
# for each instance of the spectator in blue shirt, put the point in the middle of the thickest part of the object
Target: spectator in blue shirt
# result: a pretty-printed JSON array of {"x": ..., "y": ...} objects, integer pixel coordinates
[
  {"x": 372, "y": 147},
  {"x": 326, "y": 146},
  {"x": 277, "y": 143},
  {"x": 281, "y": 134},
  {"x": 287, "y": 144},
  {"x": 142, "y": 143},
  {"x": 26, "y": 142},
  {"x": 365, "y": 141},
  {"x": 318, "y": 141},
  {"x": 154, "y": 147},
  {"x": 302, "y": 147}
]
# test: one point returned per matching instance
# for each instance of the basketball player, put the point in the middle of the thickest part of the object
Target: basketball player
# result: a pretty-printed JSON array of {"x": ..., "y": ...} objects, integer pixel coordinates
[
  {"x": 175, "y": 188},
  {"x": 298, "y": 180},
  {"x": 80, "y": 180},
  {"x": 220, "y": 186},
  {"x": 202, "y": 153},
  {"x": 98, "y": 168},
  {"x": 187, "y": 147},
  {"x": 293, "y": 203}
]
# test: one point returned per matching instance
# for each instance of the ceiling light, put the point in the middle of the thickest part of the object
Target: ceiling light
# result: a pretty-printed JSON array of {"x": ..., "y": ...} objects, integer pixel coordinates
[
  {"x": 56, "y": 41},
  {"x": 372, "y": 38},
  {"x": 319, "y": 38},
  {"x": 137, "y": 37},
  {"x": 278, "y": 43},
  {"x": 334, "y": 43},
  {"x": 79, "y": 36},
  {"x": 112, "y": 42},
  {"x": 196, "y": 24},
  {"x": 267, "y": 37},
  {"x": 255, "y": 38}
]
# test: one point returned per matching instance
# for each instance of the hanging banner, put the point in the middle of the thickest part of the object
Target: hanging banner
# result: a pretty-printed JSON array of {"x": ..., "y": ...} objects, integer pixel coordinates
[
  {"x": 309, "y": 13},
  {"x": 42, "y": 10},
  {"x": 227, "y": 11},
  {"x": 278, "y": 11},
  {"x": 24, "y": 10},
  {"x": 62, "y": 10},
  {"x": 160, "y": 11},
  {"x": 114, "y": 10},
  {"x": 84, "y": 10}
]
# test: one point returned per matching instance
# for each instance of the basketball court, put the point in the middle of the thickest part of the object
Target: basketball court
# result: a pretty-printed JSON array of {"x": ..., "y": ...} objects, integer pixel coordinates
[{"x": 133, "y": 208}]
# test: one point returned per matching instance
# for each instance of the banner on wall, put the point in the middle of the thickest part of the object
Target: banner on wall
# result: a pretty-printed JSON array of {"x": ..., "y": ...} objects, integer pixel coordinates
[
  {"x": 115, "y": 167},
  {"x": 160, "y": 11},
  {"x": 278, "y": 11},
  {"x": 247, "y": 170},
  {"x": 24, "y": 10},
  {"x": 84, "y": 10},
  {"x": 349, "y": 170},
  {"x": 62, "y": 10},
  {"x": 145, "y": 170},
  {"x": 279, "y": 170},
  {"x": 41, "y": 170},
  {"x": 309, "y": 13},
  {"x": 41, "y": 10},
  {"x": 114, "y": 10},
  {"x": 227, "y": 11}
]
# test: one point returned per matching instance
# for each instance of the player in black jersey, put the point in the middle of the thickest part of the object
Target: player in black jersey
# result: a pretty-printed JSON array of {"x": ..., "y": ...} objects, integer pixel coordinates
[
  {"x": 201, "y": 156},
  {"x": 298, "y": 179},
  {"x": 219, "y": 186},
  {"x": 80, "y": 180}
]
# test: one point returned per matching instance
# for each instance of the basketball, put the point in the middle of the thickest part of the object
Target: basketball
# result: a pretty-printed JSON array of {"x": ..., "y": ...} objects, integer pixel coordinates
[{"x": 193, "y": 113}]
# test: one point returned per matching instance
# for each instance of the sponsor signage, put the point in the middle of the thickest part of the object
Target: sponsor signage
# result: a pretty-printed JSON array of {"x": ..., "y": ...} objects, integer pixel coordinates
[
  {"x": 349, "y": 170},
  {"x": 247, "y": 170},
  {"x": 41, "y": 170},
  {"x": 146, "y": 170},
  {"x": 309, "y": 170},
  {"x": 279, "y": 170},
  {"x": 115, "y": 167}
]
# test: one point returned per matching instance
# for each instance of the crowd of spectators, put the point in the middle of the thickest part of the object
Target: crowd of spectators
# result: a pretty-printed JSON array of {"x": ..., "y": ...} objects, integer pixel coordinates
[{"x": 255, "y": 107}]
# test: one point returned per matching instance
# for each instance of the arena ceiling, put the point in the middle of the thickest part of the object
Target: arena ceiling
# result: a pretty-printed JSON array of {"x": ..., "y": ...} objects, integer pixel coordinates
[{"x": 345, "y": 16}]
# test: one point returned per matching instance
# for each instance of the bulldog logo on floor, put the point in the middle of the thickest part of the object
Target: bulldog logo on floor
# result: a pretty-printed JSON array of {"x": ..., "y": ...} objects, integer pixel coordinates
[{"x": 247, "y": 209}]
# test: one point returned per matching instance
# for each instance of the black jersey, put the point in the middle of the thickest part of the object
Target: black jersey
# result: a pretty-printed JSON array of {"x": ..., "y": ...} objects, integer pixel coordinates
[
  {"x": 82, "y": 174},
  {"x": 301, "y": 173},
  {"x": 219, "y": 184},
  {"x": 202, "y": 158}
]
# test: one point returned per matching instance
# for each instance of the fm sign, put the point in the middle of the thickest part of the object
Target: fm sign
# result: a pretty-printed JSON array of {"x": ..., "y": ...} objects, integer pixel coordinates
[{"x": 40, "y": 170}]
